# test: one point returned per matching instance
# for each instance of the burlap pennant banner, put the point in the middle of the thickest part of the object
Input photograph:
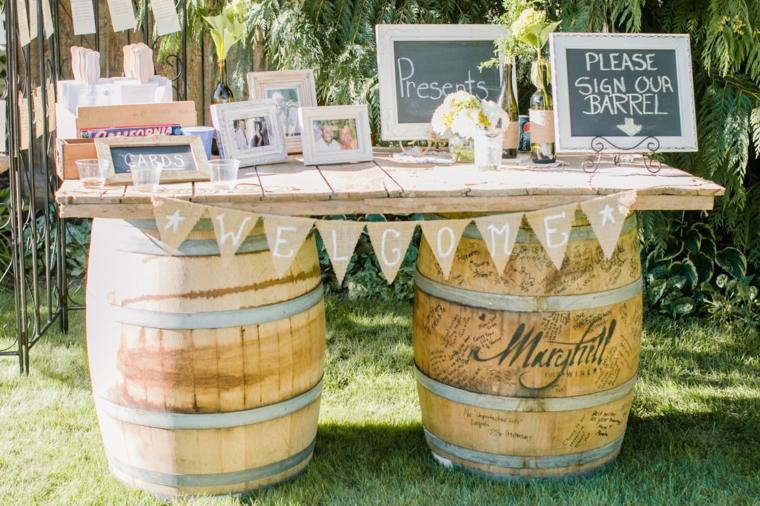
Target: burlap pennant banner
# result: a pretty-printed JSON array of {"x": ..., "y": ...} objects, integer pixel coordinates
[
  {"x": 606, "y": 216},
  {"x": 175, "y": 220},
  {"x": 390, "y": 241},
  {"x": 231, "y": 227},
  {"x": 552, "y": 227},
  {"x": 443, "y": 237},
  {"x": 499, "y": 232},
  {"x": 340, "y": 238},
  {"x": 285, "y": 235}
]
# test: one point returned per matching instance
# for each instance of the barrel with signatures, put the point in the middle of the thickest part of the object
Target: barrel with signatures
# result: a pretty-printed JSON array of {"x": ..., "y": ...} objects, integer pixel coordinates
[
  {"x": 206, "y": 371},
  {"x": 529, "y": 373}
]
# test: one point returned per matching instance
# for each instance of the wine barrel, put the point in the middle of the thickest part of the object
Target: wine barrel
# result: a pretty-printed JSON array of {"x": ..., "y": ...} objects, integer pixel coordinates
[
  {"x": 529, "y": 374},
  {"x": 206, "y": 370}
]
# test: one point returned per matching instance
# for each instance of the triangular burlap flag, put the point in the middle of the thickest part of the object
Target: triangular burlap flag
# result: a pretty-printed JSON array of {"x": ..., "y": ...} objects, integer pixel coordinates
[
  {"x": 390, "y": 241},
  {"x": 443, "y": 237},
  {"x": 231, "y": 227},
  {"x": 175, "y": 220},
  {"x": 552, "y": 227},
  {"x": 499, "y": 232},
  {"x": 340, "y": 238},
  {"x": 606, "y": 216},
  {"x": 285, "y": 235}
]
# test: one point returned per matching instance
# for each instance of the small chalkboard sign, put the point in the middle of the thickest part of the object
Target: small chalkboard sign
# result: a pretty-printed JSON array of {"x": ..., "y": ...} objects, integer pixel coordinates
[
  {"x": 620, "y": 92},
  {"x": 418, "y": 65},
  {"x": 182, "y": 157}
]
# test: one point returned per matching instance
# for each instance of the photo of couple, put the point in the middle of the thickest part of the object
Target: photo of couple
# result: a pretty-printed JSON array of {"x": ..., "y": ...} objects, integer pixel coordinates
[
  {"x": 251, "y": 133},
  {"x": 287, "y": 102},
  {"x": 335, "y": 135}
]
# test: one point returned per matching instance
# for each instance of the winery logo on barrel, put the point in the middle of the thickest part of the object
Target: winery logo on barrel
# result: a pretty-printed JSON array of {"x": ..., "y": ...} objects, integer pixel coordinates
[
  {"x": 629, "y": 92},
  {"x": 529, "y": 349}
]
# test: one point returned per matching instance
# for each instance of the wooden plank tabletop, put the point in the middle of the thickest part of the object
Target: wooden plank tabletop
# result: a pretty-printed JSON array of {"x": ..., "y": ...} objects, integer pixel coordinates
[{"x": 389, "y": 186}]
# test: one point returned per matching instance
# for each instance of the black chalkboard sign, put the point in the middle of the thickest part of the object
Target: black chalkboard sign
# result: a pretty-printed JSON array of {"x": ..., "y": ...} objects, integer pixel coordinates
[
  {"x": 178, "y": 157},
  {"x": 182, "y": 157},
  {"x": 623, "y": 90},
  {"x": 418, "y": 65},
  {"x": 428, "y": 71}
]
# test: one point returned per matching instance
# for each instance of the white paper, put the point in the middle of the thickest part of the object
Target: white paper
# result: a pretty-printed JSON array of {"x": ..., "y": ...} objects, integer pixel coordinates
[
  {"x": 122, "y": 15},
  {"x": 165, "y": 14},
  {"x": 83, "y": 16},
  {"x": 38, "y": 119},
  {"x": 47, "y": 19},
  {"x": 23, "y": 121},
  {"x": 3, "y": 126},
  {"x": 51, "y": 106},
  {"x": 32, "y": 19},
  {"x": 3, "y": 35},
  {"x": 23, "y": 23}
]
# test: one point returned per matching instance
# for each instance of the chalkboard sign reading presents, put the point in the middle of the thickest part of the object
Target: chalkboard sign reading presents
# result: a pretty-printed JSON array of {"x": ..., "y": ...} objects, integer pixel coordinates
[
  {"x": 182, "y": 157},
  {"x": 618, "y": 91},
  {"x": 418, "y": 65}
]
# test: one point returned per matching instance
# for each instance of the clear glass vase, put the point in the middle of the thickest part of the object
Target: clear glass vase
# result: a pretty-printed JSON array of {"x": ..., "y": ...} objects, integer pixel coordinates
[
  {"x": 541, "y": 116},
  {"x": 461, "y": 149},
  {"x": 508, "y": 102},
  {"x": 488, "y": 149},
  {"x": 222, "y": 93}
]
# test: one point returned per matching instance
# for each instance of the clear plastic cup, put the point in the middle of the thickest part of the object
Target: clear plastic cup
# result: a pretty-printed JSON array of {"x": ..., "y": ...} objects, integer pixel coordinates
[
  {"x": 145, "y": 178},
  {"x": 93, "y": 172},
  {"x": 224, "y": 173}
]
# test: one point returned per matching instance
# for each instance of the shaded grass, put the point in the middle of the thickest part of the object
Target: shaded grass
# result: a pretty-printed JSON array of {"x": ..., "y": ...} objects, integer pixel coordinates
[{"x": 693, "y": 436}]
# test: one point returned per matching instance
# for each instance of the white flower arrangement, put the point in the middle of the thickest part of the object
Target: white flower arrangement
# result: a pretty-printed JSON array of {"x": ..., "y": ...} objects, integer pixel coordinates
[{"x": 465, "y": 115}]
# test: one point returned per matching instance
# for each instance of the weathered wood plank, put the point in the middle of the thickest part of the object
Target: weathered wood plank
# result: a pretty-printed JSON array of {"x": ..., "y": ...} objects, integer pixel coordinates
[
  {"x": 182, "y": 191},
  {"x": 292, "y": 181},
  {"x": 360, "y": 180},
  {"x": 388, "y": 186},
  {"x": 247, "y": 189},
  {"x": 394, "y": 206}
]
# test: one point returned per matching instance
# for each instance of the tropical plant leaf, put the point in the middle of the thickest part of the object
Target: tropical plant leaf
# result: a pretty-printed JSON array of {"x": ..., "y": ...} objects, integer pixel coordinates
[{"x": 732, "y": 261}]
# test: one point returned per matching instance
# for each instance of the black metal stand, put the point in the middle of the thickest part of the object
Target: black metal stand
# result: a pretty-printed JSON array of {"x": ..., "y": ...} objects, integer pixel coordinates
[
  {"x": 600, "y": 144},
  {"x": 36, "y": 236}
]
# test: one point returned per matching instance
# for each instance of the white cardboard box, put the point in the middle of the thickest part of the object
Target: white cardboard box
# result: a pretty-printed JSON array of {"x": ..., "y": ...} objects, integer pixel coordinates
[{"x": 108, "y": 91}]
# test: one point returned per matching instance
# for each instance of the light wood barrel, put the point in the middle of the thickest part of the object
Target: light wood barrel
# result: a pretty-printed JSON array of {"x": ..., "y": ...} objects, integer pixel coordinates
[
  {"x": 529, "y": 374},
  {"x": 206, "y": 371}
]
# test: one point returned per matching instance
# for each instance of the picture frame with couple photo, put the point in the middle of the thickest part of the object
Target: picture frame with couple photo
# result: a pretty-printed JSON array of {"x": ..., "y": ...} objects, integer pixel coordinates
[
  {"x": 290, "y": 89},
  {"x": 249, "y": 131},
  {"x": 335, "y": 134}
]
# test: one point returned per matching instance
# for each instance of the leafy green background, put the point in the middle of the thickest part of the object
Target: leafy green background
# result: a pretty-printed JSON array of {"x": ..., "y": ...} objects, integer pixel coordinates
[{"x": 696, "y": 263}]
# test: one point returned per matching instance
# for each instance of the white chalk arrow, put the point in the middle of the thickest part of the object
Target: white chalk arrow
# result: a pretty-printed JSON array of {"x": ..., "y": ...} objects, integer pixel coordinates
[{"x": 629, "y": 127}]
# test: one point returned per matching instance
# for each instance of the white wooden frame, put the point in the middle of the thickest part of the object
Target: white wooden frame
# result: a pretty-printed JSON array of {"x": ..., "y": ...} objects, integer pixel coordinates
[
  {"x": 565, "y": 142},
  {"x": 386, "y": 35},
  {"x": 359, "y": 113},
  {"x": 103, "y": 147},
  {"x": 259, "y": 83},
  {"x": 223, "y": 115}
]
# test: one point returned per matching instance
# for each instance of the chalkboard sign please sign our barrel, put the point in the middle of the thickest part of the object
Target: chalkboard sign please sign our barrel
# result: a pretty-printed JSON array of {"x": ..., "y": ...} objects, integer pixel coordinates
[{"x": 623, "y": 92}]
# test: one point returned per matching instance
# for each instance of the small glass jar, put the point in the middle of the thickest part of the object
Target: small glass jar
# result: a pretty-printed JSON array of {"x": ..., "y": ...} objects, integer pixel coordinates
[
  {"x": 93, "y": 172},
  {"x": 488, "y": 149},
  {"x": 224, "y": 173},
  {"x": 145, "y": 178},
  {"x": 461, "y": 149}
]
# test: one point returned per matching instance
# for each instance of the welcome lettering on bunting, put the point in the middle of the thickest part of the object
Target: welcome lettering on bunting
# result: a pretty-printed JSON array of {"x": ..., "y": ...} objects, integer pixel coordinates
[{"x": 175, "y": 220}]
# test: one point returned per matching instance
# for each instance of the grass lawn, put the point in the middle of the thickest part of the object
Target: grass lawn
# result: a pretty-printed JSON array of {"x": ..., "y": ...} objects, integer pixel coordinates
[{"x": 693, "y": 436}]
